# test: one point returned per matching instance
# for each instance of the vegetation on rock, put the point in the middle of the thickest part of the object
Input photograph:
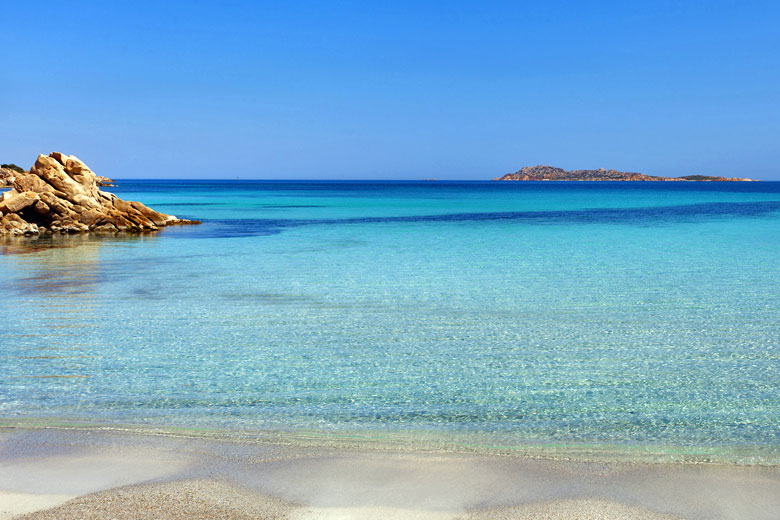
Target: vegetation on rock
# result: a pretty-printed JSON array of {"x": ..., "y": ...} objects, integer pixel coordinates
[{"x": 11, "y": 166}]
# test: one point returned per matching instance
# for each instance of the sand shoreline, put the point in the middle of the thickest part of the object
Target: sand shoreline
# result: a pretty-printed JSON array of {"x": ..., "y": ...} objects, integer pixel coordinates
[
  {"x": 80, "y": 472},
  {"x": 424, "y": 442}
]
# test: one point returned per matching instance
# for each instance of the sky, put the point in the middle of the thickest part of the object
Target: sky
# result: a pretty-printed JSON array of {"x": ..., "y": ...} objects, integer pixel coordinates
[{"x": 392, "y": 90}]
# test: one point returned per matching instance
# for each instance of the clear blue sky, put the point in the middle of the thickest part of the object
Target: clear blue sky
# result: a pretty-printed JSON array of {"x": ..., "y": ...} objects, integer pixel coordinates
[{"x": 400, "y": 90}]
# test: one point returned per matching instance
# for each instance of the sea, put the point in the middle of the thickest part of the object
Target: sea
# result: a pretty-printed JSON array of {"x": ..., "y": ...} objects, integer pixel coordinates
[{"x": 626, "y": 317}]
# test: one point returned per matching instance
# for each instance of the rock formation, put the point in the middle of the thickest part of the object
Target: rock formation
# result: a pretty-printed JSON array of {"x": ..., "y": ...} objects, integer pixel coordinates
[
  {"x": 60, "y": 195},
  {"x": 7, "y": 176},
  {"x": 551, "y": 173}
]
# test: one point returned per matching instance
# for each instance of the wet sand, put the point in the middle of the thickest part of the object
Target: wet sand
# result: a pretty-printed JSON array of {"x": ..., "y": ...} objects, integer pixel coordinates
[{"x": 88, "y": 473}]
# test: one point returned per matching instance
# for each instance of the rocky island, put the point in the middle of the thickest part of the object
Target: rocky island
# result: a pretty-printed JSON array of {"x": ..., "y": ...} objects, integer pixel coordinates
[
  {"x": 551, "y": 173},
  {"x": 60, "y": 194}
]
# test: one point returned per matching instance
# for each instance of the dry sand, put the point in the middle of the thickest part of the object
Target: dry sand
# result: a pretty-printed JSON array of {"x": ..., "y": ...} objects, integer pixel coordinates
[
  {"x": 86, "y": 474},
  {"x": 173, "y": 500},
  {"x": 209, "y": 499},
  {"x": 583, "y": 509}
]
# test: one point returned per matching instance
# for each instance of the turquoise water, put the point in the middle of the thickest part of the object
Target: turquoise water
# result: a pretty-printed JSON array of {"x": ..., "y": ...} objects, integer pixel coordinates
[{"x": 626, "y": 314}]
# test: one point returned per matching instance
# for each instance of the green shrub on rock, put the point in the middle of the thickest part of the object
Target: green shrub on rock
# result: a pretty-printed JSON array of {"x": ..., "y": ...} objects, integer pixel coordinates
[{"x": 13, "y": 167}]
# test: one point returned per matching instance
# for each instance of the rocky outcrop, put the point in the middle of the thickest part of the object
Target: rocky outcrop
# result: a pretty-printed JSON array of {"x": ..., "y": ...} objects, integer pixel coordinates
[
  {"x": 551, "y": 173},
  {"x": 60, "y": 194},
  {"x": 104, "y": 181},
  {"x": 7, "y": 177}
]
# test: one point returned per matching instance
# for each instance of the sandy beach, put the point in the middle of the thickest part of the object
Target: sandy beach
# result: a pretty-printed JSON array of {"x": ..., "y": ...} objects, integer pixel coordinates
[{"x": 88, "y": 473}]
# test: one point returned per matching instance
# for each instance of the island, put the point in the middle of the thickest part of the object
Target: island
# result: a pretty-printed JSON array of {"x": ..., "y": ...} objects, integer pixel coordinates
[
  {"x": 551, "y": 173},
  {"x": 60, "y": 194}
]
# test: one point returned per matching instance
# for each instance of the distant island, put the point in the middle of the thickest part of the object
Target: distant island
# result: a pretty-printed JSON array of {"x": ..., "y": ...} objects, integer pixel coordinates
[{"x": 551, "y": 173}]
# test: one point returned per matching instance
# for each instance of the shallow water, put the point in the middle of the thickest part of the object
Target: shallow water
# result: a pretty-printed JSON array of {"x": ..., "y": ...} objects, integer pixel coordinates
[{"x": 626, "y": 314}]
